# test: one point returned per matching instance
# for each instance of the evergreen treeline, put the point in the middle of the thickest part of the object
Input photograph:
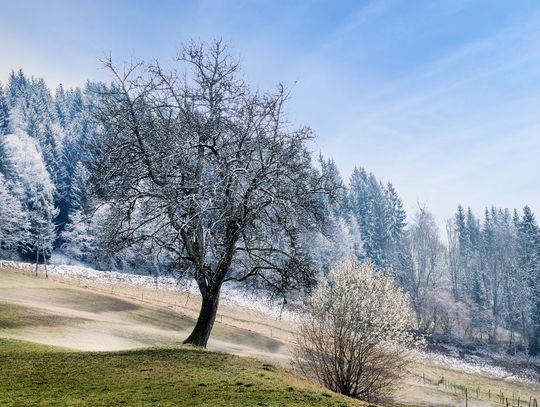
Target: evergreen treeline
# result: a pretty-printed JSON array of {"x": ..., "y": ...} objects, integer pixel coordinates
[
  {"x": 43, "y": 141},
  {"x": 482, "y": 284},
  {"x": 494, "y": 265}
]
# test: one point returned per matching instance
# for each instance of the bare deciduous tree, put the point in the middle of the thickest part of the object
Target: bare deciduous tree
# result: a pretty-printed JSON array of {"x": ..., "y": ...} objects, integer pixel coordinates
[
  {"x": 420, "y": 263},
  {"x": 206, "y": 169},
  {"x": 356, "y": 338}
]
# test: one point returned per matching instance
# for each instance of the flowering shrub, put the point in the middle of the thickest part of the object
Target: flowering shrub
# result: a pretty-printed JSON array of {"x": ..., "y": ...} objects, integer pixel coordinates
[{"x": 357, "y": 335}]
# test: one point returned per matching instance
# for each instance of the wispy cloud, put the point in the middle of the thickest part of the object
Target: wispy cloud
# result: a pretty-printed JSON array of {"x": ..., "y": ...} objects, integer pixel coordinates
[{"x": 439, "y": 97}]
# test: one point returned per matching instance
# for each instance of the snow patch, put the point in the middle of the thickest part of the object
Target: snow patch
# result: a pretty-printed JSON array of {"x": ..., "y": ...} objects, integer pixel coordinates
[{"x": 476, "y": 365}]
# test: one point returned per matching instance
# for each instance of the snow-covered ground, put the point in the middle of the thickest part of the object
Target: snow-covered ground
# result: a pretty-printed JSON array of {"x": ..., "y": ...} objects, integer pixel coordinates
[{"x": 477, "y": 365}]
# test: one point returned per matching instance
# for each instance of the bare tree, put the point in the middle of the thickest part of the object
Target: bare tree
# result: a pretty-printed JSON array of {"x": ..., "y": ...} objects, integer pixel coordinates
[
  {"x": 356, "y": 338},
  {"x": 210, "y": 171},
  {"x": 420, "y": 261}
]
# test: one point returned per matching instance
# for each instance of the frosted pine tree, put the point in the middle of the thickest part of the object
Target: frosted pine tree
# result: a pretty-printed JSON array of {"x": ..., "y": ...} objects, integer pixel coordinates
[
  {"x": 33, "y": 187},
  {"x": 364, "y": 207},
  {"x": 76, "y": 148},
  {"x": 395, "y": 213},
  {"x": 529, "y": 260},
  {"x": 4, "y": 130},
  {"x": 17, "y": 87},
  {"x": 379, "y": 213},
  {"x": 81, "y": 238},
  {"x": 61, "y": 105},
  {"x": 4, "y": 113},
  {"x": 13, "y": 222},
  {"x": 80, "y": 200}
]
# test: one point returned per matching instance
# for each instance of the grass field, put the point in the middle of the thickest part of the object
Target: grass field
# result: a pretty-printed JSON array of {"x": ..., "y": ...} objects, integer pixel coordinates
[
  {"x": 44, "y": 313},
  {"x": 36, "y": 310},
  {"x": 35, "y": 375}
]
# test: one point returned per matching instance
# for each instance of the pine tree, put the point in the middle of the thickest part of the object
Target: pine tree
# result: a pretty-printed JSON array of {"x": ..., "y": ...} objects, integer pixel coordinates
[
  {"x": 61, "y": 106},
  {"x": 488, "y": 256},
  {"x": 17, "y": 88},
  {"x": 461, "y": 229},
  {"x": 379, "y": 215},
  {"x": 361, "y": 205},
  {"x": 76, "y": 148},
  {"x": 472, "y": 270},
  {"x": 4, "y": 113},
  {"x": 395, "y": 213},
  {"x": 13, "y": 222},
  {"x": 76, "y": 104},
  {"x": 5, "y": 161},
  {"x": 79, "y": 198},
  {"x": 529, "y": 260},
  {"x": 4, "y": 129},
  {"x": 33, "y": 188},
  {"x": 462, "y": 252}
]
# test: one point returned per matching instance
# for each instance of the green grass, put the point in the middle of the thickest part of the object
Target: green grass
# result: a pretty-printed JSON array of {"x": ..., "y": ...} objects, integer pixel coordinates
[{"x": 37, "y": 375}]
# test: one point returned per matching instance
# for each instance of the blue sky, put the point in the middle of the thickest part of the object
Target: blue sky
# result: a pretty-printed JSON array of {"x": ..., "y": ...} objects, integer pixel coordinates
[{"x": 440, "y": 97}]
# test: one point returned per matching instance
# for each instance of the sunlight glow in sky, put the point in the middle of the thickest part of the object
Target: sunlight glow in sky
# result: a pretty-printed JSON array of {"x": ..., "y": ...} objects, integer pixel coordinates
[{"x": 442, "y": 98}]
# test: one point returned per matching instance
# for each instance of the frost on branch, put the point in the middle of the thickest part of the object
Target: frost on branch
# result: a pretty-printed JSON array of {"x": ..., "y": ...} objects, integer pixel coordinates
[{"x": 201, "y": 167}]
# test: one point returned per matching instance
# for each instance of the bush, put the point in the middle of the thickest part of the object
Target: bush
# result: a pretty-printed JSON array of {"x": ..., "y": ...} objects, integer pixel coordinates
[{"x": 356, "y": 336}]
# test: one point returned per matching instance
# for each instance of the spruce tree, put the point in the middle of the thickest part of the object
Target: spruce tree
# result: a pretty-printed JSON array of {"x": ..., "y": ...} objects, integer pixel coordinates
[
  {"x": 17, "y": 88},
  {"x": 61, "y": 106},
  {"x": 463, "y": 248},
  {"x": 4, "y": 113},
  {"x": 79, "y": 198},
  {"x": 395, "y": 213},
  {"x": 529, "y": 260},
  {"x": 4, "y": 129},
  {"x": 13, "y": 222},
  {"x": 33, "y": 188}
]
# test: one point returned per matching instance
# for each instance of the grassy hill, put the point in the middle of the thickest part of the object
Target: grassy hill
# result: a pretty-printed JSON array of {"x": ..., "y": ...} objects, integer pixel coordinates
[
  {"x": 37, "y": 375},
  {"x": 133, "y": 363}
]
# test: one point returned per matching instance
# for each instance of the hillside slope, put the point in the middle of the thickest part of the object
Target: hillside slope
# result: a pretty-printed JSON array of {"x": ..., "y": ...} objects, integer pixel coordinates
[
  {"x": 52, "y": 313},
  {"x": 36, "y": 375},
  {"x": 88, "y": 315}
]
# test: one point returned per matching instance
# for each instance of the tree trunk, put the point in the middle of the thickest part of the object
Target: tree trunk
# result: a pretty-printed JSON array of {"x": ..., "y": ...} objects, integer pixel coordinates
[
  {"x": 200, "y": 334},
  {"x": 534, "y": 342},
  {"x": 37, "y": 261},
  {"x": 45, "y": 262}
]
